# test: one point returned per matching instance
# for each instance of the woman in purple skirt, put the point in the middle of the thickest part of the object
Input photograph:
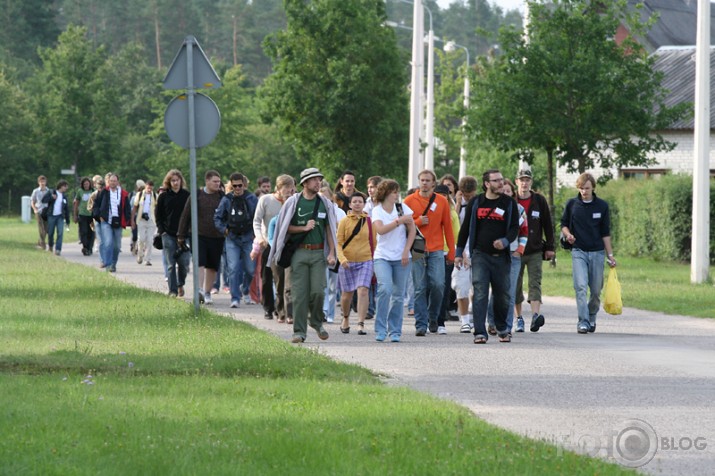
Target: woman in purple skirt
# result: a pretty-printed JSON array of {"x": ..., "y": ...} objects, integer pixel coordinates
[{"x": 356, "y": 244}]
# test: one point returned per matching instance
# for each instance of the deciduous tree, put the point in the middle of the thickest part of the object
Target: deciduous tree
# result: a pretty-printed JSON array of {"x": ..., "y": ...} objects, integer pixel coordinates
[
  {"x": 338, "y": 89},
  {"x": 573, "y": 91}
]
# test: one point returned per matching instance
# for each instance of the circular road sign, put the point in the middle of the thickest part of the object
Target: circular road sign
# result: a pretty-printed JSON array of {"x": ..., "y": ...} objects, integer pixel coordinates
[{"x": 207, "y": 120}]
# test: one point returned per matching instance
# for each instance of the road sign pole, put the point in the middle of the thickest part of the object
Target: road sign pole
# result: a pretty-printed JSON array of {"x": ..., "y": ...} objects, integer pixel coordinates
[
  {"x": 192, "y": 165},
  {"x": 191, "y": 69}
]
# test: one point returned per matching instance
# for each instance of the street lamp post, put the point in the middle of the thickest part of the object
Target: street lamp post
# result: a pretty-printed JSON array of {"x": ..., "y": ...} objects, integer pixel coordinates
[
  {"x": 415, "y": 95},
  {"x": 450, "y": 47}
]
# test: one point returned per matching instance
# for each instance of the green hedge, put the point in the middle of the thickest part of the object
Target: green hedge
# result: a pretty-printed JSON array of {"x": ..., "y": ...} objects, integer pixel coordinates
[{"x": 651, "y": 217}]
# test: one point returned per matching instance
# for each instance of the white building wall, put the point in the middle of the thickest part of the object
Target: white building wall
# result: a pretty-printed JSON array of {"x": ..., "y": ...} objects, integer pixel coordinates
[{"x": 679, "y": 160}]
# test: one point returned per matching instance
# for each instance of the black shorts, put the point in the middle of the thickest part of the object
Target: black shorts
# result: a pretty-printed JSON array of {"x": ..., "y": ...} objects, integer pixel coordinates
[{"x": 210, "y": 251}]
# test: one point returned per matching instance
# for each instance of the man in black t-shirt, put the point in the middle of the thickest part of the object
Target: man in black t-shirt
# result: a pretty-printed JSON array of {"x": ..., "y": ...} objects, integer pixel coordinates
[{"x": 491, "y": 223}]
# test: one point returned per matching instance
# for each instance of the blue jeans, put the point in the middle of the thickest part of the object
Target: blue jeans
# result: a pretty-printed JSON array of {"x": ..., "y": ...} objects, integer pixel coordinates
[
  {"x": 513, "y": 277},
  {"x": 391, "y": 284},
  {"x": 111, "y": 244},
  {"x": 177, "y": 268},
  {"x": 331, "y": 295},
  {"x": 239, "y": 263},
  {"x": 489, "y": 270},
  {"x": 587, "y": 275},
  {"x": 444, "y": 310},
  {"x": 428, "y": 277},
  {"x": 55, "y": 222},
  {"x": 410, "y": 293}
]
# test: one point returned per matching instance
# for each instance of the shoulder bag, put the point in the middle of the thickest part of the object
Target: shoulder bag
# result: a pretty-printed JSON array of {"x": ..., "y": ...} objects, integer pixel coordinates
[
  {"x": 356, "y": 230},
  {"x": 292, "y": 244},
  {"x": 419, "y": 245}
]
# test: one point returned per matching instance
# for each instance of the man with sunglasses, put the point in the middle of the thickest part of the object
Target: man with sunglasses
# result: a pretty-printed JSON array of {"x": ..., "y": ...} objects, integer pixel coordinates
[
  {"x": 491, "y": 223},
  {"x": 234, "y": 219}
]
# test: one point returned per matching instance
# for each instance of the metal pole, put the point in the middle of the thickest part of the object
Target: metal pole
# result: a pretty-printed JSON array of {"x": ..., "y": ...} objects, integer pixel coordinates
[
  {"x": 415, "y": 107},
  {"x": 192, "y": 164},
  {"x": 700, "y": 259},
  {"x": 463, "y": 147},
  {"x": 429, "y": 156}
]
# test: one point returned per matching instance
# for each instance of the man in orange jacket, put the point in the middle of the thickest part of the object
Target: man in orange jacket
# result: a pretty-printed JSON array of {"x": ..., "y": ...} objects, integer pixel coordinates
[{"x": 432, "y": 218}]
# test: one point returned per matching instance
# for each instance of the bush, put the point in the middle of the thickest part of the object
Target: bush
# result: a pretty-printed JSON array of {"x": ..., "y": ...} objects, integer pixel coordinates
[{"x": 650, "y": 218}]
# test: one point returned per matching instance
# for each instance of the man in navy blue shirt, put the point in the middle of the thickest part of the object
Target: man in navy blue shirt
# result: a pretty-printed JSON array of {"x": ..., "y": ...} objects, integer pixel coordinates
[{"x": 586, "y": 224}]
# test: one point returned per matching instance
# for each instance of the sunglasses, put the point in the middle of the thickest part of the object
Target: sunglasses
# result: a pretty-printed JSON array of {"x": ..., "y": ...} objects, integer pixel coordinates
[{"x": 237, "y": 185}]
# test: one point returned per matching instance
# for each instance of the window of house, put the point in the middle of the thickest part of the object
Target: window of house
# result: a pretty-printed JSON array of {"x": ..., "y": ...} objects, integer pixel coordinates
[{"x": 642, "y": 174}]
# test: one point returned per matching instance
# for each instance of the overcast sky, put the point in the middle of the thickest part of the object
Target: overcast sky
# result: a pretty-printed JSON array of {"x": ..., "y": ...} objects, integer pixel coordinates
[{"x": 505, "y": 4}]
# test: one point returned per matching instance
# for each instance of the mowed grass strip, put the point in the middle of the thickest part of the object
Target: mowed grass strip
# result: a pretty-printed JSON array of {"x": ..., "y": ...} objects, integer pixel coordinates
[{"x": 98, "y": 377}]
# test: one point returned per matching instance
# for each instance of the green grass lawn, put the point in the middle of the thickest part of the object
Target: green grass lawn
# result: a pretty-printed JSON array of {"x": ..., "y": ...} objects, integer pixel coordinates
[{"x": 97, "y": 377}]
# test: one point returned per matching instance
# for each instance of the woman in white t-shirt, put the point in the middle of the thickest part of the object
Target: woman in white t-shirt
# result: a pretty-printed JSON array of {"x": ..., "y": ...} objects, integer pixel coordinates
[{"x": 395, "y": 233}]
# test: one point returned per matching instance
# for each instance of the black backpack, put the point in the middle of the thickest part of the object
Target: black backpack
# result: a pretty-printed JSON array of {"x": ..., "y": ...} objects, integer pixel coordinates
[{"x": 239, "y": 220}]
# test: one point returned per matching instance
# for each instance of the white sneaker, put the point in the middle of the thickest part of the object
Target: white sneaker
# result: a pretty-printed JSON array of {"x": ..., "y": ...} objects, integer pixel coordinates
[
  {"x": 465, "y": 329},
  {"x": 208, "y": 300},
  {"x": 247, "y": 300},
  {"x": 235, "y": 303},
  {"x": 441, "y": 330}
]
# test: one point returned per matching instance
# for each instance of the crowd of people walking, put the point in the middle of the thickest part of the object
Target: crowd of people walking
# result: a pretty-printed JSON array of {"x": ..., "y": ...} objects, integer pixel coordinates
[{"x": 450, "y": 251}]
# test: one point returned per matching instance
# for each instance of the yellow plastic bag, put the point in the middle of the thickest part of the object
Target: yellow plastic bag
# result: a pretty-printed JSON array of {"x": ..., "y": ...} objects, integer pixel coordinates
[{"x": 612, "y": 303}]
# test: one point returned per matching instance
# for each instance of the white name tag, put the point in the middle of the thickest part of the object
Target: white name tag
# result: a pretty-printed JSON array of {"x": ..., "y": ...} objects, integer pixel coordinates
[
  {"x": 596, "y": 216},
  {"x": 433, "y": 207},
  {"x": 499, "y": 211},
  {"x": 321, "y": 215},
  {"x": 535, "y": 213}
]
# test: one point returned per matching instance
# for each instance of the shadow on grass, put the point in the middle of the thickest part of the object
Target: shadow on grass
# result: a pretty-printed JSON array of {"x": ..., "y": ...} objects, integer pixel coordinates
[{"x": 279, "y": 361}]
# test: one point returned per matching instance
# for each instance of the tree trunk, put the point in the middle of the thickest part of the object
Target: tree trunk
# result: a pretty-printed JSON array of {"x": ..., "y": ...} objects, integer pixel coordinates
[
  {"x": 157, "y": 38},
  {"x": 235, "y": 41}
]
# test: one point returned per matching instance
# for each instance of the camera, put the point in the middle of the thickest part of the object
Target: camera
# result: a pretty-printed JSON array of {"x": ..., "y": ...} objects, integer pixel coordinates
[
  {"x": 145, "y": 216},
  {"x": 183, "y": 248},
  {"x": 115, "y": 222}
]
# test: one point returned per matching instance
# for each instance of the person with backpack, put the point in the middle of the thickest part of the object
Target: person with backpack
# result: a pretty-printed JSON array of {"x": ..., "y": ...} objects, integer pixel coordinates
[
  {"x": 234, "y": 220},
  {"x": 491, "y": 223}
]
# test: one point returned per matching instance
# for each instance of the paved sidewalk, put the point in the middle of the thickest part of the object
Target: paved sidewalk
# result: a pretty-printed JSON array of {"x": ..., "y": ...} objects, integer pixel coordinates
[{"x": 642, "y": 377}]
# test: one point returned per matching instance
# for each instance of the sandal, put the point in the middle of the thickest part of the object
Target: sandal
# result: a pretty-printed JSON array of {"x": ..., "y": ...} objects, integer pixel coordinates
[
  {"x": 361, "y": 329},
  {"x": 289, "y": 320},
  {"x": 345, "y": 330},
  {"x": 480, "y": 339},
  {"x": 505, "y": 338}
]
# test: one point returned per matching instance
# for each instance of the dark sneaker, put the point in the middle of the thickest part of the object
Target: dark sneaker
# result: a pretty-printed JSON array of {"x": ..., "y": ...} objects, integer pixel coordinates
[
  {"x": 537, "y": 321},
  {"x": 297, "y": 340},
  {"x": 592, "y": 329},
  {"x": 323, "y": 334},
  {"x": 433, "y": 327},
  {"x": 268, "y": 315},
  {"x": 420, "y": 332},
  {"x": 519, "y": 324}
]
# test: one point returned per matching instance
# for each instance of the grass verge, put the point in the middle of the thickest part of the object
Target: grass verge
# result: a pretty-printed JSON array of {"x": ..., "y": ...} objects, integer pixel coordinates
[{"x": 98, "y": 377}]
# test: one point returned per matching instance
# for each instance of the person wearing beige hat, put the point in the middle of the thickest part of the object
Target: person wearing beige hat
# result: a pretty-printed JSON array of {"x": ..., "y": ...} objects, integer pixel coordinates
[{"x": 306, "y": 225}]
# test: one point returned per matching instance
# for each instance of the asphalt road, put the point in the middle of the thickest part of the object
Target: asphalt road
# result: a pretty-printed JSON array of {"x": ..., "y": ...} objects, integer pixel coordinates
[{"x": 639, "y": 391}]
